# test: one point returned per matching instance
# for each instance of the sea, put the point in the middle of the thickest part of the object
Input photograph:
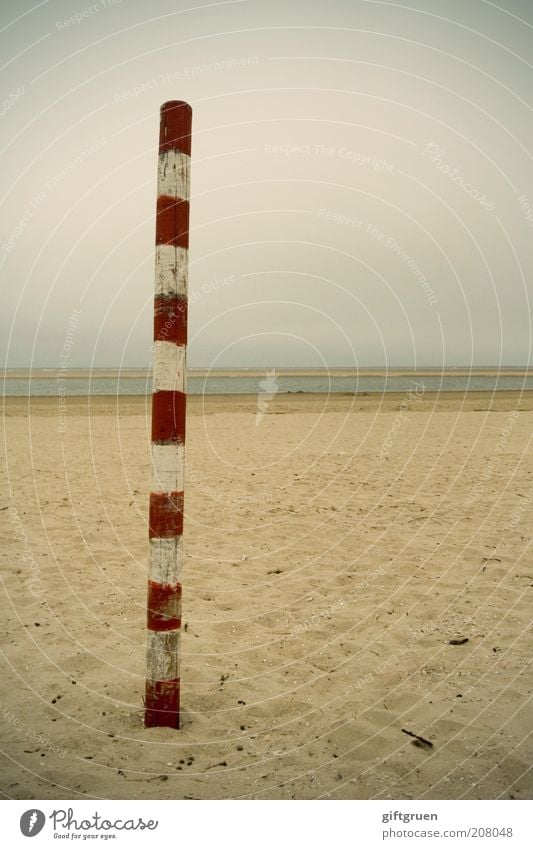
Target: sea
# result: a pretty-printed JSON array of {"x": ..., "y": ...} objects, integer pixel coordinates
[{"x": 51, "y": 382}]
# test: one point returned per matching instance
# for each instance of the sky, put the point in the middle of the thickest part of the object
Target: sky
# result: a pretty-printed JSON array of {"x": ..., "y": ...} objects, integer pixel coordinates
[{"x": 361, "y": 180}]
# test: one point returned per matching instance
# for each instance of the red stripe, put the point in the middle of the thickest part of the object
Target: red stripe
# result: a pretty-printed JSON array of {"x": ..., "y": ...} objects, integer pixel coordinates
[
  {"x": 166, "y": 515},
  {"x": 175, "y": 127},
  {"x": 164, "y": 606},
  {"x": 168, "y": 416},
  {"x": 172, "y": 222},
  {"x": 170, "y": 320},
  {"x": 162, "y": 704}
]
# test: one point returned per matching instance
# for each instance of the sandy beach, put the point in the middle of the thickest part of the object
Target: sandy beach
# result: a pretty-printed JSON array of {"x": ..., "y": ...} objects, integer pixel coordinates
[{"x": 357, "y": 567}]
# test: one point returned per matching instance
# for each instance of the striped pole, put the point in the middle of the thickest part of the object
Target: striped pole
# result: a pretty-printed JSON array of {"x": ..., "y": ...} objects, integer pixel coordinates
[{"x": 168, "y": 417}]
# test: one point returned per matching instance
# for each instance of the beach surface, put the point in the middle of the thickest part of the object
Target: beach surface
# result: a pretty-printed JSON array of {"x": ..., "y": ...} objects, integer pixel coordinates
[{"x": 357, "y": 567}]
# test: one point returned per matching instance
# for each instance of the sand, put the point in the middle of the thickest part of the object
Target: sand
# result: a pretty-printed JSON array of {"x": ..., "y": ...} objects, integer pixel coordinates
[
  {"x": 145, "y": 373},
  {"x": 334, "y": 547}
]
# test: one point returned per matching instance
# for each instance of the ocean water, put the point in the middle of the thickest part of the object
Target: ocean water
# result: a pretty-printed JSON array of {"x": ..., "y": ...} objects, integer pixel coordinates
[{"x": 214, "y": 384}]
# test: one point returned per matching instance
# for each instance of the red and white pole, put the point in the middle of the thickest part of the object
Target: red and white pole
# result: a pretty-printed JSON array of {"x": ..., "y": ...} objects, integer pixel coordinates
[{"x": 162, "y": 704}]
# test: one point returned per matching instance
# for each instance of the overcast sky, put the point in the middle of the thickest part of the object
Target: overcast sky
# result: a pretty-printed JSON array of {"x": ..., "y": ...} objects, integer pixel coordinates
[{"x": 362, "y": 180}]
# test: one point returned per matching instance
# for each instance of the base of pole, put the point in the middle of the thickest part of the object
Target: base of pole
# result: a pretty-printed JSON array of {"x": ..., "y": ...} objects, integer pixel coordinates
[{"x": 162, "y": 704}]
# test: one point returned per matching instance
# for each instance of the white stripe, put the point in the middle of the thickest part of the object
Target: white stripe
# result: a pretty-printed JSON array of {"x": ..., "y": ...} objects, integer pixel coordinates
[
  {"x": 166, "y": 560},
  {"x": 162, "y": 655},
  {"x": 173, "y": 174},
  {"x": 167, "y": 467},
  {"x": 171, "y": 270},
  {"x": 169, "y": 367}
]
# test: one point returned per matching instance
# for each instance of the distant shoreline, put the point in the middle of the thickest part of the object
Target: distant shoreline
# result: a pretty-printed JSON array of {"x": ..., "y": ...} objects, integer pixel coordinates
[
  {"x": 284, "y": 402},
  {"x": 140, "y": 374}
]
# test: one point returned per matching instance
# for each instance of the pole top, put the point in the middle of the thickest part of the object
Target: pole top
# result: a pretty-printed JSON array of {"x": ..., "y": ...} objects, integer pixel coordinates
[{"x": 175, "y": 127}]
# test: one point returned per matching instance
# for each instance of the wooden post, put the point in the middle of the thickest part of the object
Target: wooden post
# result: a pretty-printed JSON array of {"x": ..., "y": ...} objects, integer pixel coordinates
[{"x": 162, "y": 705}]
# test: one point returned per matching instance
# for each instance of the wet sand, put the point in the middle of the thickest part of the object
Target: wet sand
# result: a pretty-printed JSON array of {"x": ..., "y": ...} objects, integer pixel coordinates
[{"x": 142, "y": 373}]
